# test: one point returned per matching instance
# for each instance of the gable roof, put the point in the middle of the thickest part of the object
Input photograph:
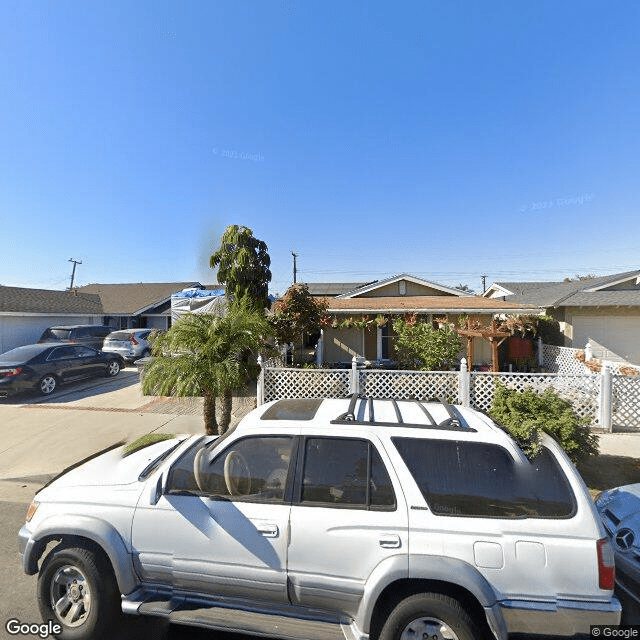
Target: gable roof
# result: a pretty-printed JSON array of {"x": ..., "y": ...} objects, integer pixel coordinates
[
  {"x": 334, "y": 288},
  {"x": 47, "y": 301},
  {"x": 136, "y": 297},
  {"x": 577, "y": 293},
  {"x": 426, "y": 304},
  {"x": 378, "y": 284}
]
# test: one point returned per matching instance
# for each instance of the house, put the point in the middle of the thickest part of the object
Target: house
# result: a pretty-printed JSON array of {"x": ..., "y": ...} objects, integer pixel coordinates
[
  {"x": 359, "y": 322},
  {"x": 26, "y": 313},
  {"x": 138, "y": 304},
  {"x": 604, "y": 311}
]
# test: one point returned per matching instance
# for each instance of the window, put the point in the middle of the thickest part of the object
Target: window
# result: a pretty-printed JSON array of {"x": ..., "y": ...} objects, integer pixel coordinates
[
  {"x": 62, "y": 353},
  {"x": 84, "y": 352},
  {"x": 459, "y": 478},
  {"x": 254, "y": 468},
  {"x": 346, "y": 473}
]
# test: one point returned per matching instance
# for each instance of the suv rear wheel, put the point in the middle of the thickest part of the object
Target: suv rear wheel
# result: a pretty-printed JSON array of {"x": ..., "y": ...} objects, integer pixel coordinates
[
  {"x": 428, "y": 615},
  {"x": 78, "y": 591}
]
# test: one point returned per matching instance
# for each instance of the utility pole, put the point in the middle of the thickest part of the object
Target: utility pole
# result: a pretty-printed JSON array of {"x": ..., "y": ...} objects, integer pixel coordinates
[
  {"x": 295, "y": 255},
  {"x": 484, "y": 283},
  {"x": 73, "y": 273}
]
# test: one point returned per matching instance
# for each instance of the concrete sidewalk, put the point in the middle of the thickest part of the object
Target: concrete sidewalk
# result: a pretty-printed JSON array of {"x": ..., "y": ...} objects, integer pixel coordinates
[{"x": 38, "y": 440}]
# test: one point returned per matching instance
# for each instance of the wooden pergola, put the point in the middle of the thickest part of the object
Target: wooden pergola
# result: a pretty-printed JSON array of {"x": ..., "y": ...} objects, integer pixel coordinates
[{"x": 493, "y": 334}]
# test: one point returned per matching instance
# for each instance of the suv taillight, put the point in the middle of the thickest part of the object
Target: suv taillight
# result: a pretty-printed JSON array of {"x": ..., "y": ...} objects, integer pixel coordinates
[
  {"x": 606, "y": 565},
  {"x": 8, "y": 373},
  {"x": 133, "y": 340}
]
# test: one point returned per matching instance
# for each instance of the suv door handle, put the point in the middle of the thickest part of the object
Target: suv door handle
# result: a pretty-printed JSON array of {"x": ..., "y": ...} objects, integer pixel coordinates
[
  {"x": 390, "y": 541},
  {"x": 268, "y": 529}
]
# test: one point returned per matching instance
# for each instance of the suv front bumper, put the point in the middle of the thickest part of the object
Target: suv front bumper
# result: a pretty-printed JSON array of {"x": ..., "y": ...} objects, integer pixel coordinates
[{"x": 563, "y": 618}]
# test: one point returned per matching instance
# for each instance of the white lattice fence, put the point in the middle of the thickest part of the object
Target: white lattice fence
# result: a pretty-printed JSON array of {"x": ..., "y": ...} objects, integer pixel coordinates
[
  {"x": 581, "y": 391},
  {"x": 562, "y": 360},
  {"x": 626, "y": 400},
  {"x": 305, "y": 383},
  {"x": 403, "y": 385}
]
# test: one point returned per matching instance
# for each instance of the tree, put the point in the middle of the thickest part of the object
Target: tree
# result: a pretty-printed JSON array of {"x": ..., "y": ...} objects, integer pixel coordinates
[
  {"x": 420, "y": 346},
  {"x": 243, "y": 266},
  {"x": 207, "y": 355},
  {"x": 465, "y": 287},
  {"x": 297, "y": 313}
]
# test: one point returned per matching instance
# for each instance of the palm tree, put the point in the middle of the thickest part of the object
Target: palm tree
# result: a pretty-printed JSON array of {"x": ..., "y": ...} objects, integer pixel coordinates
[{"x": 207, "y": 355}]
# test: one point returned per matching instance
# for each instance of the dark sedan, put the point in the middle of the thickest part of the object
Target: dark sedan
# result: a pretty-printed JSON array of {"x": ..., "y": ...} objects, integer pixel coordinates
[{"x": 42, "y": 367}]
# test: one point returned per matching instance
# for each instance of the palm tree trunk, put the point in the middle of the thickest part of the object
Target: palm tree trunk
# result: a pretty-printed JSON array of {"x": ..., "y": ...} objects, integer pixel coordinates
[
  {"x": 226, "y": 402},
  {"x": 210, "y": 424}
]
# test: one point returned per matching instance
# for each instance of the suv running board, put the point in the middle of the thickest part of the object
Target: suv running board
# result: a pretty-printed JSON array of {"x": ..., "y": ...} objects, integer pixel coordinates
[{"x": 216, "y": 616}]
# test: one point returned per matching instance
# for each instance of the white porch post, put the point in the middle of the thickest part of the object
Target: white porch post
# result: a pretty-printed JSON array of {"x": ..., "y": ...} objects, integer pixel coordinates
[
  {"x": 355, "y": 382},
  {"x": 379, "y": 343},
  {"x": 320, "y": 349}
]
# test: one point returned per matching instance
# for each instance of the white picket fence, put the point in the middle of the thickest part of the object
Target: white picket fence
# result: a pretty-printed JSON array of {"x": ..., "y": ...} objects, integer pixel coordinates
[{"x": 607, "y": 399}]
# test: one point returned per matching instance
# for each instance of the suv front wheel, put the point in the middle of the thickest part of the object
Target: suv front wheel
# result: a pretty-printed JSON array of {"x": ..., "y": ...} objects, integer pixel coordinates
[
  {"x": 78, "y": 591},
  {"x": 428, "y": 615}
]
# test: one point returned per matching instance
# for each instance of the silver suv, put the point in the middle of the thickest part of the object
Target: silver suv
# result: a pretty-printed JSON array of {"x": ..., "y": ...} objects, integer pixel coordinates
[
  {"x": 131, "y": 344},
  {"x": 327, "y": 519}
]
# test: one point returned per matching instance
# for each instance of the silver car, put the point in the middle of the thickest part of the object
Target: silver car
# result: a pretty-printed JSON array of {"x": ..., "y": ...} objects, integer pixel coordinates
[
  {"x": 131, "y": 344},
  {"x": 620, "y": 511},
  {"x": 329, "y": 519}
]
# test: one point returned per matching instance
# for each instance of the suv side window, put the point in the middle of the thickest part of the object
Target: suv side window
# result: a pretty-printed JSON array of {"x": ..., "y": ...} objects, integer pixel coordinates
[
  {"x": 460, "y": 478},
  {"x": 345, "y": 472},
  {"x": 253, "y": 468}
]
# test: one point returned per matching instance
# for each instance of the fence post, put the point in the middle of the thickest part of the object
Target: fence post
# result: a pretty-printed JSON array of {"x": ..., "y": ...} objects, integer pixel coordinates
[
  {"x": 588, "y": 352},
  {"x": 260, "y": 384},
  {"x": 355, "y": 378},
  {"x": 606, "y": 408},
  {"x": 464, "y": 384}
]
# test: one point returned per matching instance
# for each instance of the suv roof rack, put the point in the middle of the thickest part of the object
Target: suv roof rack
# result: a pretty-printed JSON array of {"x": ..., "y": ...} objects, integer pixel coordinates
[{"x": 455, "y": 421}]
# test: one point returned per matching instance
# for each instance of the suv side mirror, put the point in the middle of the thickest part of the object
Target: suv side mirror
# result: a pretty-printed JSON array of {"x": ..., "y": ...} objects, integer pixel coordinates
[{"x": 157, "y": 489}]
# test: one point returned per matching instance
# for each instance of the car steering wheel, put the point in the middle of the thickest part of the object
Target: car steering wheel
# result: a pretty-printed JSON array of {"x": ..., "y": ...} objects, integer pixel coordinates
[{"x": 237, "y": 476}]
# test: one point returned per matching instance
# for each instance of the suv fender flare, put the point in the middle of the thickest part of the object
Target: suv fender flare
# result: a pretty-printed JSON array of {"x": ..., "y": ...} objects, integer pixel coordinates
[
  {"x": 98, "y": 531},
  {"x": 452, "y": 571}
]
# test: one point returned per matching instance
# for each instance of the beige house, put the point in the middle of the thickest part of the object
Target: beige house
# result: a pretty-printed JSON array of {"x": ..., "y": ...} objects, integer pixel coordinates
[
  {"x": 360, "y": 321},
  {"x": 604, "y": 312}
]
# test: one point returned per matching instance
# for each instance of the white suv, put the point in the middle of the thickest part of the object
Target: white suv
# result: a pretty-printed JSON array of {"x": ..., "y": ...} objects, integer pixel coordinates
[{"x": 327, "y": 519}]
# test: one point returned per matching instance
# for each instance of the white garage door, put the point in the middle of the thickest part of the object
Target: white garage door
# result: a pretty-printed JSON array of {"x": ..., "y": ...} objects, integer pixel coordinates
[{"x": 611, "y": 338}]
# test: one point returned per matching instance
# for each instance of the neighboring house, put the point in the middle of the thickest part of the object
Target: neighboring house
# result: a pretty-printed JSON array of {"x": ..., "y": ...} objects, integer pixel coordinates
[
  {"x": 26, "y": 313},
  {"x": 353, "y": 330},
  {"x": 139, "y": 304},
  {"x": 603, "y": 311}
]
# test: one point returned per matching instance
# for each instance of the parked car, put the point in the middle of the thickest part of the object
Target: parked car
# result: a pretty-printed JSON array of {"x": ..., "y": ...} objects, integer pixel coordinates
[
  {"x": 131, "y": 344},
  {"x": 90, "y": 335},
  {"x": 326, "y": 519},
  {"x": 620, "y": 511},
  {"x": 43, "y": 367}
]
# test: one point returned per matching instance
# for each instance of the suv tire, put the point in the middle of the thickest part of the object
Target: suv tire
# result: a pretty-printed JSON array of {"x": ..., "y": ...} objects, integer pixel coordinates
[
  {"x": 84, "y": 582},
  {"x": 428, "y": 615}
]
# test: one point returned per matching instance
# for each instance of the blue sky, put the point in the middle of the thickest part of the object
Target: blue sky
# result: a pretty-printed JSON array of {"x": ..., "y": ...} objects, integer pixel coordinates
[{"x": 447, "y": 140}]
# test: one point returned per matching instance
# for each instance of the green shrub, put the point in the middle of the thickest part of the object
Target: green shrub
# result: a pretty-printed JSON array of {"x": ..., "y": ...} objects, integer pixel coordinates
[{"x": 524, "y": 414}]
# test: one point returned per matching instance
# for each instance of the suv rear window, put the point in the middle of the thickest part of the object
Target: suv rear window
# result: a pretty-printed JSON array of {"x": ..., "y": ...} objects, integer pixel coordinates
[
  {"x": 474, "y": 479},
  {"x": 55, "y": 334}
]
